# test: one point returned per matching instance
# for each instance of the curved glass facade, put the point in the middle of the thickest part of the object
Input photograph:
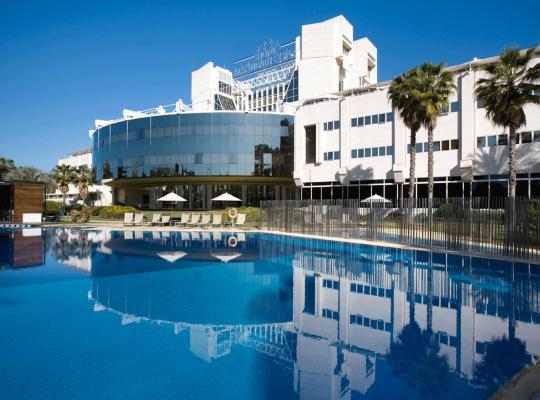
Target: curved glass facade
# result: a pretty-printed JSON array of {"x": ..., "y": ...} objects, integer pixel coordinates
[{"x": 196, "y": 144}]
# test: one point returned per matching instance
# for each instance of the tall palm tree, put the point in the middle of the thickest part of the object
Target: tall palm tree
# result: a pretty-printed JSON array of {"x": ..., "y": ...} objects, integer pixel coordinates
[
  {"x": 63, "y": 175},
  {"x": 83, "y": 179},
  {"x": 509, "y": 85},
  {"x": 6, "y": 166},
  {"x": 402, "y": 95},
  {"x": 29, "y": 174},
  {"x": 433, "y": 87}
]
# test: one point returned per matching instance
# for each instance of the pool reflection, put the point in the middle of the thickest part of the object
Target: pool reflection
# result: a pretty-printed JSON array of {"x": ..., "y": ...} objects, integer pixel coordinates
[{"x": 347, "y": 319}]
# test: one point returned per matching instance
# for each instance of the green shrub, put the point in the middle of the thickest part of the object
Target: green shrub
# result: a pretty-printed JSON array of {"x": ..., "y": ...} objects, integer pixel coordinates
[
  {"x": 115, "y": 212},
  {"x": 53, "y": 207},
  {"x": 82, "y": 215},
  {"x": 95, "y": 211},
  {"x": 446, "y": 211}
]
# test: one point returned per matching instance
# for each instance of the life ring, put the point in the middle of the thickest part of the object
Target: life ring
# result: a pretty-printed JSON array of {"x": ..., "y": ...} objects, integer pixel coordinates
[
  {"x": 233, "y": 212},
  {"x": 232, "y": 241}
]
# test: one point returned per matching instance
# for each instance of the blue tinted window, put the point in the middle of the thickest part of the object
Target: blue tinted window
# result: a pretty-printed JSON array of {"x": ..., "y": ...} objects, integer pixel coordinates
[
  {"x": 330, "y": 155},
  {"x": 537, "y": 135},
  {"x": 337, "y": 124},
  {"x": 325, "y": 126},
  {"x": 331, "y": 125},
  {"x": 367, "y": 152},
  {"x": 454, "y": 106},
  {"x": 382, "y": 118},
  {"x": 481, "y": 142},
  {"x": 354, "y": 122},
  {"x": 479, "y": 103},
  {"x": 375, "y": 151},
  {"x": 375, "y": 119},
  {"x": 367, "y": 120},
  {"x": 390, "y": 116},
  {"x": 426, "y": 147},
  {"x": 382, "y": 151},
  {"x": 360, "y": 153},
  {"x": 436, "y": 146},
  {"x": 354, "y": 153},
  {"x": 360, "y": 121},
  {"x": 325, "y": 156},
  {"x": 492, "y": 140},
  {"x": 389, "y": 150},
  {"x": 419, "y": 147},
  {"x": 336, "y": 155}
]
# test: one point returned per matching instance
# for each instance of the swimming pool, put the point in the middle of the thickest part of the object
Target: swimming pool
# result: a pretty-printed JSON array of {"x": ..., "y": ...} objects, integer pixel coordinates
[{"x": 206, "y": 315}]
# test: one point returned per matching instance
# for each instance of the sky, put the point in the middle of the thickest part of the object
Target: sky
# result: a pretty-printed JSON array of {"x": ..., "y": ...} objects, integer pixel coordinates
[{"x": 64, "y": 64}]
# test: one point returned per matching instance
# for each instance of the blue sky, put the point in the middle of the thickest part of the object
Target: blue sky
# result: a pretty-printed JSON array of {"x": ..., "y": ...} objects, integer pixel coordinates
[{"x": 65, "y": 63}]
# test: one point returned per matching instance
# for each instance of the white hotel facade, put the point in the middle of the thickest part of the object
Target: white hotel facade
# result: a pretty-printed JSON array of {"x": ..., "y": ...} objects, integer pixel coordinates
[{"x": 338, "y": 137}]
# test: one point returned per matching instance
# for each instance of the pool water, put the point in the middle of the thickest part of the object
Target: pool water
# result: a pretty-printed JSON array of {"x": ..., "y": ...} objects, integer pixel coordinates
[{"x": 92, "y": 314}]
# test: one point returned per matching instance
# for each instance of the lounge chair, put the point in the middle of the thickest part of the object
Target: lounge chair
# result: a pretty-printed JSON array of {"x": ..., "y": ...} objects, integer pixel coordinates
[
  {"x": 216, "y": 221},
  {"x": 165, "y": 220},
  {"x": 155, "y": 219},
  {"x": 128, "y": 219},
  {"x": 205, "y": 220},
  {"x": 195, "y": 218},
  {"x": 138, "y": 220},
  {"x": 240, "y": 220},
  {"x": 184, "y": 219}
]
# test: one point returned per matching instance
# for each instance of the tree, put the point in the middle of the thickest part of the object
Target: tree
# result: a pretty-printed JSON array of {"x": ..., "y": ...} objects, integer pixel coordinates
[
  {"x": 63, "y": 175},
  {"x": 6, "y": 166},
  {"x": 433, "y": 87},
  {"x": 83, "y": 178},
  {"x": 402, "y": 96},
  {"x": 509, "y": 85},
  {"x": 29, "y": 174}
]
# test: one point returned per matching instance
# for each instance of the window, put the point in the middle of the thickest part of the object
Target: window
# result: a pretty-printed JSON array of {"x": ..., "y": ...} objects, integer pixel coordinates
[
  {"x": 419, "y": 147},
  {"x": 367, "y": 120},
  {"x": 330, "y": 155},
  {"x": 445, "y": 144},
  {"x": 492, "y": 140},
  {"x": 336, "y": 155},
  {"x": 311, "y": 144},
  {"x": 454, "y": 106},
  {"x": 426, "y": 147},
  {"x": 325, "y": 156},
  {"x": 382, "y": 118},
  {"x": 537, "y": 136},
  {"x": 503, "y": 140},
  {"x": 354, "y": 122},
  {"x": 454, "y": 144},
  {"x": 382, "y": 151},
  {"x": 325, "y": 126},
  {"x": 360, "y": 121},
  {"x": 367, "y": 152},
  {"x": 481, "y": 142},
  {"x": 337, "y": 124},
  {"x": 354, "y": 153},
  {"x": 480, "y": 103},
  {"x": 360, "y": 153},
  {"x": 375, "y": 119},
  {"x": 331, "y": 125},
  {"x": 389, "y": 150},
  {"x": 375, "y": 152},
  {"x": 389, "y": 117},
  {"x": 526, "y": 137},
  {"x": 444, "y": 110},
  {"x": 436, "y": 146},
  {"x": 198, "y": 158}
]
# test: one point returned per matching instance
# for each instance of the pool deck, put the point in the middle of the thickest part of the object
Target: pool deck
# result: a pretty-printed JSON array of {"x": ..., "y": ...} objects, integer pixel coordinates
[{"x": 524, "y": 386}]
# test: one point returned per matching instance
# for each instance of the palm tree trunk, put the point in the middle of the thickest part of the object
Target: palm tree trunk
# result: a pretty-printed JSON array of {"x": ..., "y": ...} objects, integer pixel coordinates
[
  {"x": 430, "y": 164},
  {"x": 512, "y": 168},
  {"x": 412, "y": 172}
]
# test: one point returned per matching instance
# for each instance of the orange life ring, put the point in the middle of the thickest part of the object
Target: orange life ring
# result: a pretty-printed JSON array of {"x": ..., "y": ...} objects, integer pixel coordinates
[
  {"x": 233, "y": 212},
  {"x": 232, "y": 241}
]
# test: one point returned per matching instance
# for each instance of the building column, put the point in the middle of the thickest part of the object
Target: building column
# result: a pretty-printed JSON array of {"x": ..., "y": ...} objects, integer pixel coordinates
[{"x": 244, "y": 195}]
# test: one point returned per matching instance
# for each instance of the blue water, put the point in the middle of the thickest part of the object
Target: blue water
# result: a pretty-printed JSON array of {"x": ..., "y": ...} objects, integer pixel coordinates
[{"x": 92, "y": 314}]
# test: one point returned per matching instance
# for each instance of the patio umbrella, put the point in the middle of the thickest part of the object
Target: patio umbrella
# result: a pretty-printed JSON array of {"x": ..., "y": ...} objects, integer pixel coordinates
[
  {"x": 172, "y": 197},
  {"x": 226, "y": 197},
  {"x": 376, "y": 199}
]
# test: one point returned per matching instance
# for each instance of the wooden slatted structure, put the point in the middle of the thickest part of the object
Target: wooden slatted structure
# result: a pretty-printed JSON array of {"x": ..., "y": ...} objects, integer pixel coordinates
[{"x": 19, "y": 198}]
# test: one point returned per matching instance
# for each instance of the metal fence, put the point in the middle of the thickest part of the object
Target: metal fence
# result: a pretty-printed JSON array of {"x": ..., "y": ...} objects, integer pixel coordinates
[{"x": 493, "y": 226}]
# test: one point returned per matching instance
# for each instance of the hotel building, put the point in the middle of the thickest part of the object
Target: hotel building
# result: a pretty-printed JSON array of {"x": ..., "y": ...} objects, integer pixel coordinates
[{"x": 306, "y": 120}]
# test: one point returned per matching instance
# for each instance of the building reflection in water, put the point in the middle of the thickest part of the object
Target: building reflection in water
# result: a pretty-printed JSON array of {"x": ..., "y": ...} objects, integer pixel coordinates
[
  {"x": 338, "y": 313},
  {"x": 22, "y": 248}
]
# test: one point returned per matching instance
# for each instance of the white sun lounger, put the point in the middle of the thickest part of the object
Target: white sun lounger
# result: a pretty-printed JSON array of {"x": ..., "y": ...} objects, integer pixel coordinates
[
  {"x": 205, "y": 220},
  {"x": 138, "y": 220},
  {"x": 128, "y": 219},
  {"x": 216, "y": 221},
  {"x": 165, "y": 220},
  {"x": 155, "y": 219},
  {"x": 184, "y": 219},
  {"x": 195, "y": 218}
]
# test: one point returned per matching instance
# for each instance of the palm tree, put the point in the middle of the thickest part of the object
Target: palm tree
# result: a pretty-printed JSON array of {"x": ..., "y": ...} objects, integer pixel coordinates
[
  {"x": 6, "y": 166},
  {"x": 402, "y": 95},
  {"x": 509, "y": 85},
  {"x": 63, "y": 175},
  {"x": 83, "y": 179},
  {"x": 434, "y": 86}
]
